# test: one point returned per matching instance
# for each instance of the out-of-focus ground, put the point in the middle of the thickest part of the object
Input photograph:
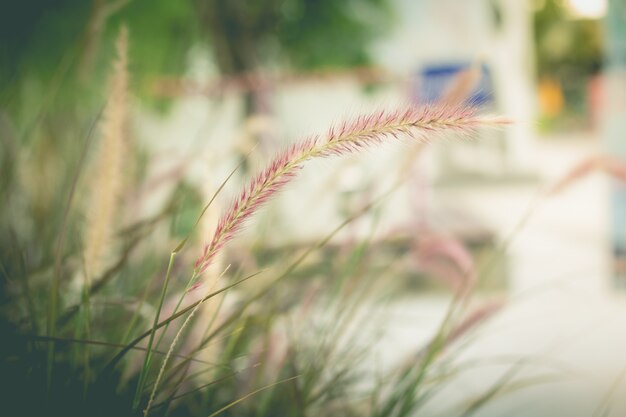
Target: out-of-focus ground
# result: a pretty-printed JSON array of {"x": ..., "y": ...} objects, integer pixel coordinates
[{"x": 563, "y": 315}]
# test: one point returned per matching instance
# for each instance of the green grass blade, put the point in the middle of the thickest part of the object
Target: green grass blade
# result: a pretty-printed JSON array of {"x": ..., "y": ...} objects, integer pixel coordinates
[{"x": 250, "y": 394}]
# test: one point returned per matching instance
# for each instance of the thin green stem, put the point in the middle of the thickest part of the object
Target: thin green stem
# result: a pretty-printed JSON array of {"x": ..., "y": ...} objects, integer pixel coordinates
[
  {"x": 148, "y": 357},
  {"x": 167, "y": 357},
  {"x": 191, "y": 281},
  {"x": 232, "y": 404},
  {"x": 85, "y": 327},
  {"x": 63, "y": 340},
  {"x": 172, "y": 346}
]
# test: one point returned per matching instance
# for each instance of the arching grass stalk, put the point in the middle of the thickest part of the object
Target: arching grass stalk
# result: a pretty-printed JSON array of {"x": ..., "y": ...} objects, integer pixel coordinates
[{"x": 422, "y": 123}]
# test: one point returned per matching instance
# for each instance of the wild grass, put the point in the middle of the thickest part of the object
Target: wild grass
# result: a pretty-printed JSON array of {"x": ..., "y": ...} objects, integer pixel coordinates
[{"x": 276, "y": 349}]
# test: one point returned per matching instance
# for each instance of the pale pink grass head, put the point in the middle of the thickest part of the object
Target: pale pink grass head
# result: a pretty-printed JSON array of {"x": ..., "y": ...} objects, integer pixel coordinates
[{"x": 419, "y": 123}]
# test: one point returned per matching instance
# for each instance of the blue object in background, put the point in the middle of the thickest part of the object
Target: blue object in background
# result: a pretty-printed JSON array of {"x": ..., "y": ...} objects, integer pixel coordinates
[{"x": 432, "y": 82}]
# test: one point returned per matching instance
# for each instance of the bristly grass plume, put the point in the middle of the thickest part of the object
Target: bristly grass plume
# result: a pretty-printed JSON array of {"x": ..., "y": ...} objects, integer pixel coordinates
[
  {"x": 420, "y": 123},
  {"x": 107, "y": 184}
]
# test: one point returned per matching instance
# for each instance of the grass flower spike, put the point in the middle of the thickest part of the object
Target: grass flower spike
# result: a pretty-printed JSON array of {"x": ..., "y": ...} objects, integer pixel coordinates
[
  {"x": 107, "y": 185},
  {"x": 419, "y": 123}
]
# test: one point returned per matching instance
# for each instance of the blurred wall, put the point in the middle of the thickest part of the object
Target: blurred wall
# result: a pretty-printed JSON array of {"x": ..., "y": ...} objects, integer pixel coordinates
[{"x": 425, "y": 32}]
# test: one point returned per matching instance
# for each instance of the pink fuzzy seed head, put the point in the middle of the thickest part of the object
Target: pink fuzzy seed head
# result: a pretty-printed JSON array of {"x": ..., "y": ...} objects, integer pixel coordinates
[{"x": 419, "y": 123}]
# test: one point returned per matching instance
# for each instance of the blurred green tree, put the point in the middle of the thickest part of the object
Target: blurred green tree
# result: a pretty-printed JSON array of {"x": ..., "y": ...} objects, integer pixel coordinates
[
  {"x": 47, "y": 48},
  {"x": 569, "y": 52},
  {"x": 566, "y": 46},
  {"x": 306, "y": 33}
]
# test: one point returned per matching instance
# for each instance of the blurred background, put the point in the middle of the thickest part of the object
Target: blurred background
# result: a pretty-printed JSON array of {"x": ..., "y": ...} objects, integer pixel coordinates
[{"x": 536, "y": 210}]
